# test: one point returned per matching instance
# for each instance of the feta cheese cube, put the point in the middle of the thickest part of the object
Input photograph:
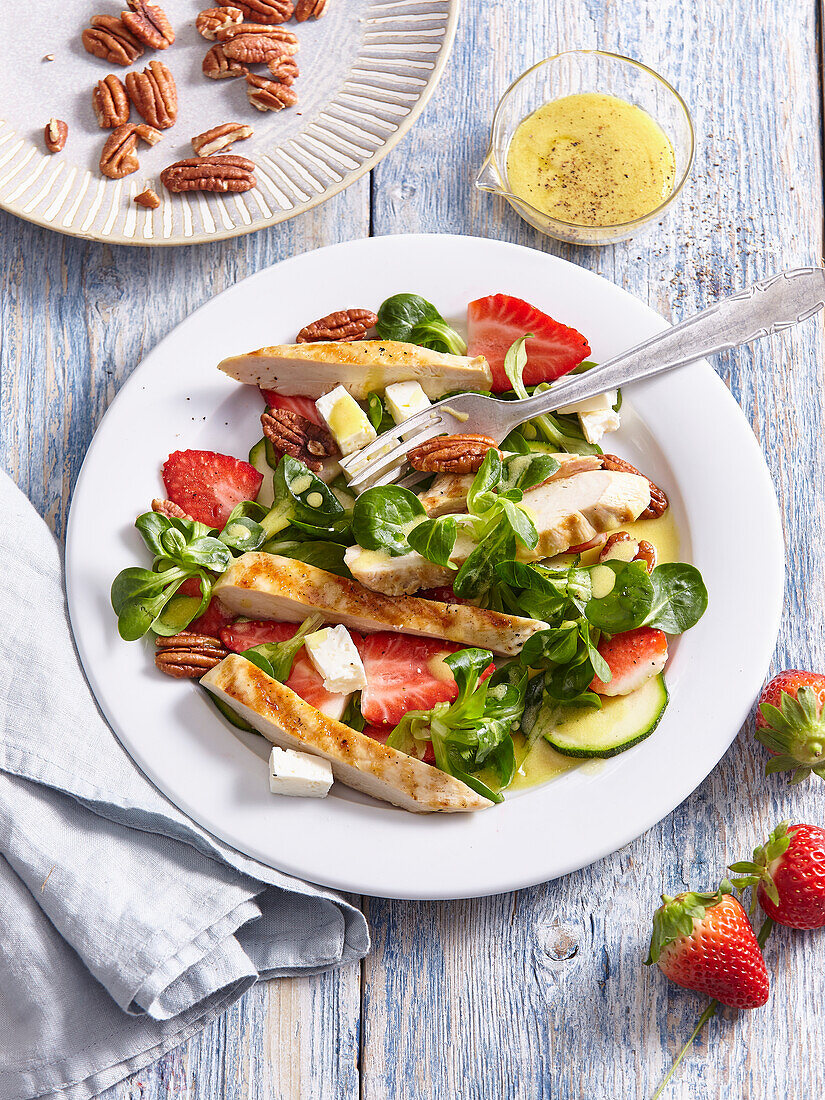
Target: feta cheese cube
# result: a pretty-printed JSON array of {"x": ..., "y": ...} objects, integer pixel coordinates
[
  {"x": 333, "y": 653},
  {"x": 353, "y": 464},
  {"x": 596, "y": 424},
  {"x": 349, "y": 424},
  {"x": 602, "y": 402},
  {"x": 405, "y": 399},
  {"x": 298, "y": 774},
  {"x": 596, "y": 415}
]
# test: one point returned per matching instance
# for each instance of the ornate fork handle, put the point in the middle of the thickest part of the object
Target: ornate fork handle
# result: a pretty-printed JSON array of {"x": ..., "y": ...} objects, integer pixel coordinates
[{"x": 763, "y": 309}]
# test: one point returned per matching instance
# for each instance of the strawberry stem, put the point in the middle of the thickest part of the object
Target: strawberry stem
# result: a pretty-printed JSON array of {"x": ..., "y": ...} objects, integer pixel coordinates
[
  {"x": 764, "y": 932},
  {"x": 703, "y": 1019}
]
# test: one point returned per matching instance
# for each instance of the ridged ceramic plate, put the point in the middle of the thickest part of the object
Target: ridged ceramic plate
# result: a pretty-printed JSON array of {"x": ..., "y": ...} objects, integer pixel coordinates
[
  {"x": 367, "y": 69},
  {"x": 714, "y": 474}
]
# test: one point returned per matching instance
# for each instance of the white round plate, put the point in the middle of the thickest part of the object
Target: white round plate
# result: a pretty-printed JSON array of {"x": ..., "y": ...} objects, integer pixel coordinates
[
  {"x": 367, "y": 69},
  {"x": 684, "y": 429}
]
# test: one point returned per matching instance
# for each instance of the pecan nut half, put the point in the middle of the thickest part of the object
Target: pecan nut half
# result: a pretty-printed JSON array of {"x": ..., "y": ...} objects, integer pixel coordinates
[
  {"x": 284, "y": 69},
  {"x": 149, "y": 24},
  {"x": 108, "y": 39},
  {"x": 188, "y": 655},
  {"x": 621, "y": 546},
  {"x": 119, "y": 156},
  {"x": 342, "y": 326},
  {"x": 254, "y": 49},
  {"x": 217, "y": 66},
  {"x": 110, "y": 102},
  {"x": 220, "y": 137},
  {"x": 150, "y": 199},
  {"x": 305, "y": 8},
  {"x": 226, "y": 173},
  {"x": 451, "y": 454},
  {"x": 168, "y": 508},
  {"x": 154, "y": 95},
  {"x": 294, "y": 435},
  {"x": 212, "y": 20},
  {"x": 267, "y": 11},
  {"x": 658, "y": 498},
  {"x": 288, "y": 40},
  {"x": 269, "y": 95},
  {"x": 55, "y": 133}
]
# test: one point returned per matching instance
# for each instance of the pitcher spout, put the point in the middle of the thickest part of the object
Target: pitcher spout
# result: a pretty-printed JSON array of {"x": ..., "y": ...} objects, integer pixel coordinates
[{"x": 489, "y": 177}]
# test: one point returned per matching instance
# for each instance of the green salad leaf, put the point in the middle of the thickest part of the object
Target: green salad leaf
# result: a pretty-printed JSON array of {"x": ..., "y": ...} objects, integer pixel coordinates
[
  {"x": 300, "y": 497},
  {"x": 474, "y": 732},
  {"x": 628, "y": 603},
  {"x": 317, "y": 552},
  {"x": 181, "y": 549},
  {"x": 276, "y": 658},
  {"x": 378, "y": 415},
  {"x": 564, "y": 432},
  {"x": 680, "y": 598},
  {"x": 435, "y": 539},
  {"x": 413, "y": 320},
  {"x": 383, "y": 517}
]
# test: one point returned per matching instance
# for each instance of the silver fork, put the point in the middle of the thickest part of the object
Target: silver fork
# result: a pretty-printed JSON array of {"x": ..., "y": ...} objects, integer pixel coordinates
[{"x": 767, "y": 307}]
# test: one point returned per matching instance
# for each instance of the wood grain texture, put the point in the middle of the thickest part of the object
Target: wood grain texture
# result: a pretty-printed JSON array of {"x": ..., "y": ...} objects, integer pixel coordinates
[
  {"x": 477, "y": 999},
  {"x": 75, "y": 319},
  {"x": 541, "y": 993}
]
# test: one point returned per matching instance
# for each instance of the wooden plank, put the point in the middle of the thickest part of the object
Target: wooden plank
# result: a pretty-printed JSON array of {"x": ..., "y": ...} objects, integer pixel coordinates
[
  {"x": 543, "y": 993},
  {"x": 75, "y": 319}
]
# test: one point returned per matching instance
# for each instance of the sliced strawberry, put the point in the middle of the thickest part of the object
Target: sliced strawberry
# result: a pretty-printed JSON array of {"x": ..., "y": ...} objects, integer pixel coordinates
[
  {"x": 583, "y": 547},
  {"x": 215, "y": 617},
  {"x": 404, "y": 673},
  {"x": 303, "y": 406},
  {"x": 634, "y": 658},
  {"x": 303, "y": 679},
  {"x": 381, "y": 733},
  {"x": 208, "y": 485},
  {"x": 496, "y": 322}
]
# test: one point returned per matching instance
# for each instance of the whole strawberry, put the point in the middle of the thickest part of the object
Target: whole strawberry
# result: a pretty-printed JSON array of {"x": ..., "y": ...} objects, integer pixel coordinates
[
  {"x": 789, "y": 873},
  {"x": 789, "y": 723},
  {"x": 705, "y": 942}
]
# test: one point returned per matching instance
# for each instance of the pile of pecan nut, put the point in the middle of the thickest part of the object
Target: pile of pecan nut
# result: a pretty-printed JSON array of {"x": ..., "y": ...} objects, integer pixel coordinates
[{"x": 248, "y": 32}]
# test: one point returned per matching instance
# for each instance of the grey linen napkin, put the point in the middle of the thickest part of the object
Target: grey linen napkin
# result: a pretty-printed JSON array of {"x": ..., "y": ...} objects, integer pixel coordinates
[{"x": 124, "y": 927}]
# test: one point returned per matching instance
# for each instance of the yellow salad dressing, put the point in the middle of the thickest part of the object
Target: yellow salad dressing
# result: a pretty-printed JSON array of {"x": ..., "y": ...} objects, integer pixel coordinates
[
  {"x": 543, "y": 762},
  {"x": 591, "y": 159}
]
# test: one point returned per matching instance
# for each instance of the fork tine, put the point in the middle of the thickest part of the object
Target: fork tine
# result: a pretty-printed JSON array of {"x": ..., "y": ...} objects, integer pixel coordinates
[
  {"x": 397, "y": 434},
  {"x": 413, "y": 479},
  {"x": 387, "y": 465}
]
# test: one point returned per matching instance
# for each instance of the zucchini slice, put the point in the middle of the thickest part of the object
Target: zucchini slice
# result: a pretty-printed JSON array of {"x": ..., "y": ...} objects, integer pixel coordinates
[
  {"x": 623, "y": 721},
  {"x": 259, "y": 458}
]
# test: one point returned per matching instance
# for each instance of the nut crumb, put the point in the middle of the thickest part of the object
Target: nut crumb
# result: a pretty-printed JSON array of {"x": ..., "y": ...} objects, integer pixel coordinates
[{"x": 148, "y": 198}]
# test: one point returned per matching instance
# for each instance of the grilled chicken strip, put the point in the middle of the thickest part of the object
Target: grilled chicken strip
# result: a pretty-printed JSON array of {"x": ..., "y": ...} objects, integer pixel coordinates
[
  {"x": 311, "y": 370},
  {"x": 448, "y": 493},
  {"x": 267, "y": 586},
  {"x": 566, "y": 513},
  {"x": 356, "y": 759}
]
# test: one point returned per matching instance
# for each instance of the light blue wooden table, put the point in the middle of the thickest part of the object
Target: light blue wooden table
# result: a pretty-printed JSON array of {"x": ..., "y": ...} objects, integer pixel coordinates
[{"x": 540, "y": 993}]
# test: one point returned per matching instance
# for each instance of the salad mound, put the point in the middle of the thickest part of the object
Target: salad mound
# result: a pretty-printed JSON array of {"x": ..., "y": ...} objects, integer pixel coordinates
[{"x": 498, "y": 604}]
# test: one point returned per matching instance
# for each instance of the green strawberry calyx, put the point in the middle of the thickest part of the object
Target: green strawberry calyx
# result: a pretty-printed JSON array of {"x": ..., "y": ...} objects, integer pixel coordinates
[
  {"x": 795, "y": 734},
  {"x": 675, "y": 916},
  {"x": 758, "y": 870}
]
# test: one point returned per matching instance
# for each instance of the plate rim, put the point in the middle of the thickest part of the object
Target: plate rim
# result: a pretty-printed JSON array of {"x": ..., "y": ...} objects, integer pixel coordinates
[
  {"x": 444, "y": 54},
  {"x": 772, "y": 532}
]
